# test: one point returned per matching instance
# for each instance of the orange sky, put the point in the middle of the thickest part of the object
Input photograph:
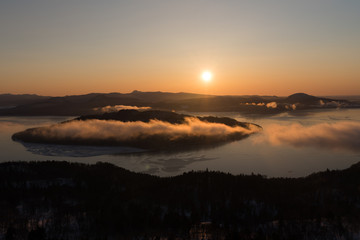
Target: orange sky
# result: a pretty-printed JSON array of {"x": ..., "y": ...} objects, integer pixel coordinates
[{"x": 272, "y": 48}]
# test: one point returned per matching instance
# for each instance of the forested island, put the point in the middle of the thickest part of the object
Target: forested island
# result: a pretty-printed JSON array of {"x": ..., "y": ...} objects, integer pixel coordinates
[
  {"x": 150, "y": 129},
  {"x": 62, "y": 200}
]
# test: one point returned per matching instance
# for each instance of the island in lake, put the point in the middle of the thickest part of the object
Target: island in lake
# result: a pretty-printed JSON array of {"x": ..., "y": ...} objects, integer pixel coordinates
[{"x": 150, "y": 129}]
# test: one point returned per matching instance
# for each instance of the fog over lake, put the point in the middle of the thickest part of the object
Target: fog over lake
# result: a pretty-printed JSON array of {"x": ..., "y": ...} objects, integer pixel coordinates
[{"x": 315, "y": 141}]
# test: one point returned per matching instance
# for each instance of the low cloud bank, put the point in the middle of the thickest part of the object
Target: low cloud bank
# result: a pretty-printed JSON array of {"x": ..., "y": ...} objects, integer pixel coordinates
[
  {"x": 332, "y": 104},
  {"x": 291, "y": 106},
  {"x": 274, "y": 105},
  {"x": 271, "y": 105},
  {"x": 255, "y": 104},
  {"x": 116, "y": 108},
  {"x": 117, "y": 131},
  {"x": 336, "y": 136}
]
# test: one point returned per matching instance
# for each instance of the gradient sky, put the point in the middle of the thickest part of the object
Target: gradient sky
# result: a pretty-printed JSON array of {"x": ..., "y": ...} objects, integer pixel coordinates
[{"x": 273, "y": 47}]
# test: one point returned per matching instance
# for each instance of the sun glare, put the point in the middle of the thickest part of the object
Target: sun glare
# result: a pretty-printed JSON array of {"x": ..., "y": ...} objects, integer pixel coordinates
[{"x": 206, "y": 76}]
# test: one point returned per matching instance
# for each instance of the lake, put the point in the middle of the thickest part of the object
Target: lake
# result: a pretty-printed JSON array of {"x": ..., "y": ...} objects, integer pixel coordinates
[{"x": 261, "y": 153}]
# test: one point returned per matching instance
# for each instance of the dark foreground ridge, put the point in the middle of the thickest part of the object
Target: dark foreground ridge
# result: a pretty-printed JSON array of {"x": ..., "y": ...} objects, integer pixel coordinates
[
  {"x": 61, "y": 200},
  {"x": 154, "y": 140}
]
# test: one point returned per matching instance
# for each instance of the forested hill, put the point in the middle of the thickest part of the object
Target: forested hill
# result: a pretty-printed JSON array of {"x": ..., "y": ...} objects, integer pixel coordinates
[
  {"x": 200, "y": 132},
  {"x": 127, "y": 115},
  {"x": 61, "y": 200}
]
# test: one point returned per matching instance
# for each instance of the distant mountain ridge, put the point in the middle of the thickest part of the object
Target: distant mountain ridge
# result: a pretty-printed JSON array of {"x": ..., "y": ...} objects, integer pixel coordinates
[
  {"x": 76, "y": 105},
  {"x": 19, "y": 99},
  {"x": 308, "y": 99},
  {"x": 301, "y": 97}
]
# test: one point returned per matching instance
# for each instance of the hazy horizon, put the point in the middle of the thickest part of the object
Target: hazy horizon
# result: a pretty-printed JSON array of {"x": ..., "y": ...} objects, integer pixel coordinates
[{"x": 86, "y": 93}]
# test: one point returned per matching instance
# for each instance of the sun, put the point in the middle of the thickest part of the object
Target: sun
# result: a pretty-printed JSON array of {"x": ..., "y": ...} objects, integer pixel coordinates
[{"x": 206, "y": 76}]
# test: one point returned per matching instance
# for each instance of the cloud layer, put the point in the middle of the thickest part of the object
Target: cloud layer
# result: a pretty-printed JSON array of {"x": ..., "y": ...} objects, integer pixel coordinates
[
  {"x": 275, "y": 105},
  {"x": 116, "y": 108},
  {"x": 337, "y": 136},
  {"x": 271, "y": 105}
]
